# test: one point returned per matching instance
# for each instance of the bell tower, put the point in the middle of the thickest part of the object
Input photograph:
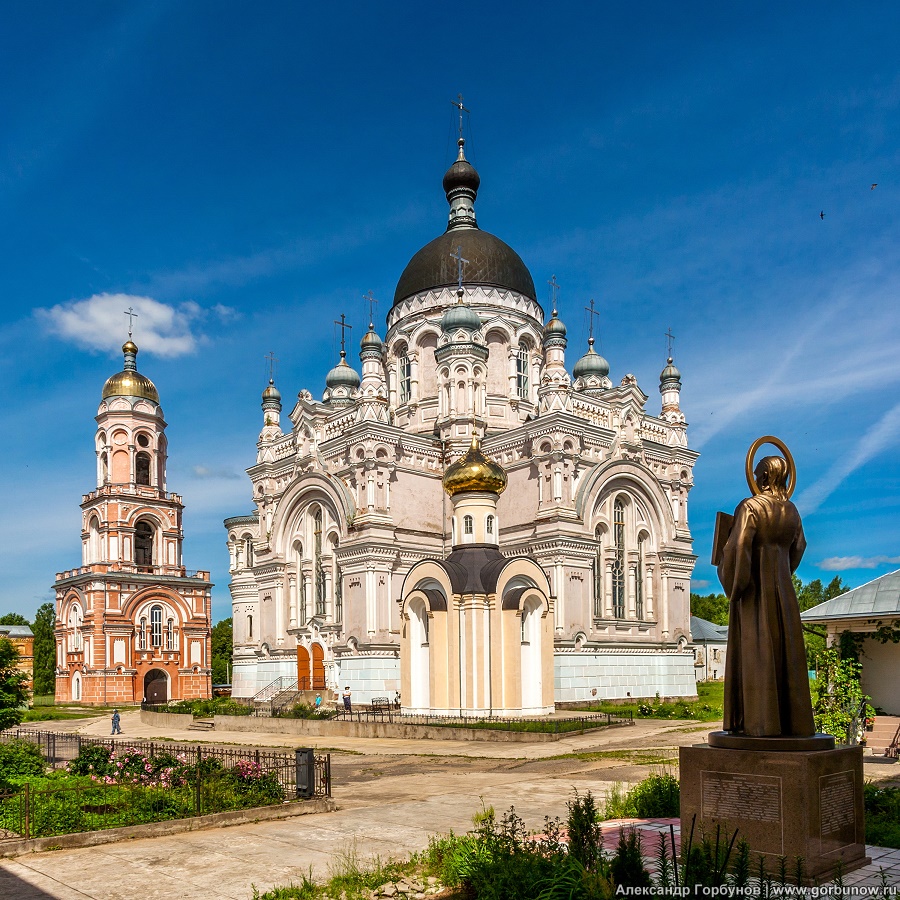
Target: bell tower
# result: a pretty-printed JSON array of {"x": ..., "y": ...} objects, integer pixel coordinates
[{"x": 132, "y": 623}]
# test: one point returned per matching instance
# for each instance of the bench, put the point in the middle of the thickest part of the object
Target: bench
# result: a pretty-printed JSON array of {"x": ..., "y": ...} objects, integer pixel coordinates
[{"x": 378, "y": 706}]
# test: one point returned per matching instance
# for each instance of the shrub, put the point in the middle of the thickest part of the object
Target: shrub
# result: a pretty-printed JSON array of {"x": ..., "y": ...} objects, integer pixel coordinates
[
  {"x": 93, "y": 759},
  {"x": 882, "y": 815},
  {"x": 658, "y": 796},
  {"x": 305, "y": 711},
  {"x": 20, "y": 759}
]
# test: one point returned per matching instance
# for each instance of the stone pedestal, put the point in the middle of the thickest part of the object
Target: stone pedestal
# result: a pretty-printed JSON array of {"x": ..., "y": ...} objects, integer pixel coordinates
[{"x": 806, "y": 804}]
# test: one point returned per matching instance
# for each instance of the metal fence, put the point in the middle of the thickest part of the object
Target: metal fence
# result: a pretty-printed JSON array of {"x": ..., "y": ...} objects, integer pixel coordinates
[
  {"x": 561, "y": 725},
  {"x": 44, "y": 811},
  {"x": 59, "y": 748}
]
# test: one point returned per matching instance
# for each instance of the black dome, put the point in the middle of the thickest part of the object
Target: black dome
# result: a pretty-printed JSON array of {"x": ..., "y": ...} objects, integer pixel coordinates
[{"x": 491, "y": 262}]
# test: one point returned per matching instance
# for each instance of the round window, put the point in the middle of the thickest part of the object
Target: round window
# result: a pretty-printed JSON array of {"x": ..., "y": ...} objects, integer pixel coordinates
[{"x": 143, "y": 440}]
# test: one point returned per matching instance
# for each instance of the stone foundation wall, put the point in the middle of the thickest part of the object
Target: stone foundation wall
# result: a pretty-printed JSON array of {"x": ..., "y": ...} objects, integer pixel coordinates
[
  {"x": 588, "y": 675},
  {"x": 368, "y": 676}
]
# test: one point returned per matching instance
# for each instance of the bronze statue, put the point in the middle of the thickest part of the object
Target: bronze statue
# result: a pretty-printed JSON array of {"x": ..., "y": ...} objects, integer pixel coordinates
[{"x": 766, "y": 678}]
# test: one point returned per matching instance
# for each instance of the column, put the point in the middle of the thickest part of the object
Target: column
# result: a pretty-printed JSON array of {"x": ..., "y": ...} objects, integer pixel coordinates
[
  {"x": 609, "y": 597},
  {"x": 511, "y": 369},
  {"x": 371, "y": 600},
  {"x": 648, "y": 592},
  {"x": 632, "y": 590},
  {"x": 327, "y": 564},
  {"x": 560, "y": 579},
  {"x": 414, "y": 375},
  {"x": 279, "y": 611},
  {"x": 292, "y": 600}
]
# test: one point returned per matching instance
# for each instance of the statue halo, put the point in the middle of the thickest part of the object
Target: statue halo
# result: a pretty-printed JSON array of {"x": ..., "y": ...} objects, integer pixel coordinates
[{"x": 775, "y": 442}]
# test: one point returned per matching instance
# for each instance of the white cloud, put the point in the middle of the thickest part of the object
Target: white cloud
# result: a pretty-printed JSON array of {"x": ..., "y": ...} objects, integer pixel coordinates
[
  {"x": 699, "y": 583},
  {"x": 842, "y": 563},
  {"x": 884, "y": 433},
  {"x": 99, "y": 323}
]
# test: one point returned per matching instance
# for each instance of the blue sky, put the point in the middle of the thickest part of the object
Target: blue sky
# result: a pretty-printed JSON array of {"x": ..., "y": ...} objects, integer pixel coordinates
[{"x": 253, "y": 169}]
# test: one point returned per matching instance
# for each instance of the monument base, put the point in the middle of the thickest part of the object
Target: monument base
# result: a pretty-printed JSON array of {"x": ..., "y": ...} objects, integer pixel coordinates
[{"x": 790, "y": 804}]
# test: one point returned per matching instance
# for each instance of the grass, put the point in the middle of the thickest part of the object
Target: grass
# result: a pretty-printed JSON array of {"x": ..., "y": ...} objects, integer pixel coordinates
[
  {"x": 349, "y": 878},
  {"x": 46, "y": 714},
  {"x": 662, "y": 756},
  {"x": 708, "y": 707}
]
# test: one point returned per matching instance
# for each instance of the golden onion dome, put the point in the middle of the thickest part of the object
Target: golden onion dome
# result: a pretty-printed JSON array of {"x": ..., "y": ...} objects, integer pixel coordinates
[
  {"x": 474, "y": 471},
  {"x": 129, "y": 382}
]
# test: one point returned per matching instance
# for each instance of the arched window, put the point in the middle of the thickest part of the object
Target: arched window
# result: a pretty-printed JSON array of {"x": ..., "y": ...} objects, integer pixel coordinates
[
  {"x": 142, "y": 467},
  {"x": 598, "y": 574},
  {"x": 250, "y": 627},
  {"x": 142, "y": 635},
  {"x": 156, "y": 626},
  {"x": 248, "y": 551},
  {"x": 489, "y": 525},
  {"x": 104, "y": 467},
  {"x": 404, "y": 374},
  {"x": 143, "y": 544},
  {"x": 170, "y": 634},
  {"x": 94, "y": 540},
  {"x": 319, "y": 569},
  {"x": 639, "y": 579},
  {"x": 618, "y": 563},
  {"x": 468, "y": 525},
  {"x": 522, "y": 371}
]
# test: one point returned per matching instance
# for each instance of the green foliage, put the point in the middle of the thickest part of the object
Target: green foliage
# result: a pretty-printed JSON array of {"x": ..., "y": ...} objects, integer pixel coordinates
[
  {"x": 628, "y": 864},
  {"x": 222, "y": 641},
  {"x": 882, "y": 815},
  {"x": 307, "y": 711},
  {"x": 13, "y": 619},
  {"x": 585, "y": 834},
  {"x": 307, "y": 889},
  {"x": 839, "y": 705},
  {"x": 44, "y": 649},
  {"x": 92, "y": 760},
  {"x": 808, "y": 596},
  {"x": 20, "y": 758},
  {"x": 708, "y": 707},
  {"x": 13, "y": 693},
  {"x": 712, "y": 607},
  {"x": 218, "y": 706},
  {"x": 658, "y": 796}
]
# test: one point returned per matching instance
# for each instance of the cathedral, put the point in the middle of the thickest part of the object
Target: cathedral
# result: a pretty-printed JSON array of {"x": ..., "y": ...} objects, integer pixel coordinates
[
  {"x": 131, "y": 622},
  {"x": 465, "y": 520}
]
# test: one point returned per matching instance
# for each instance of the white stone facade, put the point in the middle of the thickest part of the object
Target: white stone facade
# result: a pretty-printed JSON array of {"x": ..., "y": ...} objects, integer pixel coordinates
[{"x": 349, "y": 494}]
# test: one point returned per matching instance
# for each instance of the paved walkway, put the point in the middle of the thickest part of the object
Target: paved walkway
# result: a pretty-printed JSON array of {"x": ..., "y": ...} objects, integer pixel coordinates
[
  {"x": 387, "y": 816},
  {"x": 645, "y": 733}
]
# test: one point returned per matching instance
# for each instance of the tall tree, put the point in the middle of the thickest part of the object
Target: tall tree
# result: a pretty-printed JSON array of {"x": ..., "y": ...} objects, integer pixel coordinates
[
  {"x": 44, "y": 649},
  {"x": 13, "y": 693},
  {"x": 13, "y": 619},
  {"x": 712, "y": 607},
  {"x": 222, "y": 647}
]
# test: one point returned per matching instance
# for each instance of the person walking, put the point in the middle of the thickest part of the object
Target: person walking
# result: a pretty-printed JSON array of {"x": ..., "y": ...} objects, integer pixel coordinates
[
  {"x": 318, "y": 701},
  {"x": 348, "y": 707},
  {"x": 116, "y": 718}
]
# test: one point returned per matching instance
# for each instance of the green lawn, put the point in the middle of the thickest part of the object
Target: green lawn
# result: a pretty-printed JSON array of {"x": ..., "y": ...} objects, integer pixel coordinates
[{"x": 706, "y": 708}]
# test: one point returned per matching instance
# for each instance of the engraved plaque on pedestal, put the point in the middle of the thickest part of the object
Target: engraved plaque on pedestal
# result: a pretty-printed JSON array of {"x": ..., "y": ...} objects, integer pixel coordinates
[{"x": 753, "y": 800}]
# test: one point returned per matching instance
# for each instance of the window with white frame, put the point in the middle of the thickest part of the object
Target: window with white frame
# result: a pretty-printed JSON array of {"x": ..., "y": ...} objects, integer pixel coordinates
[
  {"x": 618, "y": 562},
  {"x": 468, "y": 525},
  {"x": 404, "y": 375},
  {"x": 156, "y": 613},
  {"x": 522, "y": 371}
]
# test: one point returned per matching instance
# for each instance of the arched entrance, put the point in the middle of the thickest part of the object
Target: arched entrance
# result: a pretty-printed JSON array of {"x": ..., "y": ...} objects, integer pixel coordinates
[
  {"x": 156, "y": 686},
  {"x": 302, "y": 669},
  {"x": 318, "y": 667},
  {"x": 419, "y": 662}
]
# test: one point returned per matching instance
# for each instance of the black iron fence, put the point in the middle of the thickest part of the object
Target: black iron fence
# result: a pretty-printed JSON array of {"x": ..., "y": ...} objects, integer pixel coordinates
[
  {"x": 548, "y": 725},
  {"x": 60, "y": 748}
]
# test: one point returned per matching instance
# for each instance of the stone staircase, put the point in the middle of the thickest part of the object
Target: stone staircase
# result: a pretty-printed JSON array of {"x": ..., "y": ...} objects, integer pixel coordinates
[{"x": 882, "y": 735}]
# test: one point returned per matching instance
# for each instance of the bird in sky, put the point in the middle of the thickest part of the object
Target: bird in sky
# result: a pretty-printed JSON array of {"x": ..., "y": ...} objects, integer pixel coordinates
[
  {"x": 875, "y": 185},
  {"x": 822, "y": 214}
]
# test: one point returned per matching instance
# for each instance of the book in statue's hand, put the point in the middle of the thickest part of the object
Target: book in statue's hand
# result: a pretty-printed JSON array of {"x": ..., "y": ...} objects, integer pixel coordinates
[{"x": 724, "y": 524}]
